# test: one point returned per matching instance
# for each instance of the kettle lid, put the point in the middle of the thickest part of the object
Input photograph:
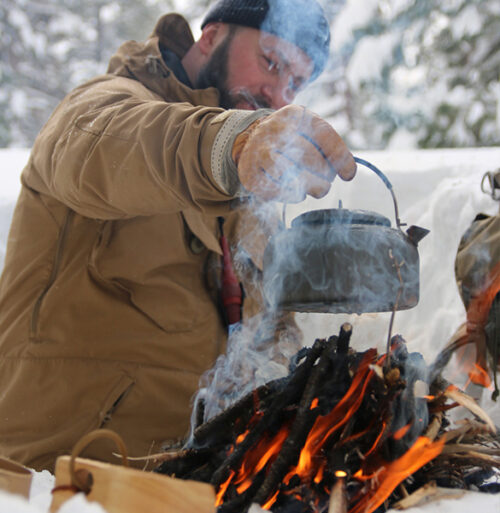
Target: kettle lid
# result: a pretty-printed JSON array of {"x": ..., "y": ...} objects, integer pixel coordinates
[{"x": 344, "y": 216}]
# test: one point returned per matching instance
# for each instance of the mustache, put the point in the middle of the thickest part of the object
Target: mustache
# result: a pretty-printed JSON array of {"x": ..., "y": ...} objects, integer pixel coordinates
[{"x": 257, "y": 101}]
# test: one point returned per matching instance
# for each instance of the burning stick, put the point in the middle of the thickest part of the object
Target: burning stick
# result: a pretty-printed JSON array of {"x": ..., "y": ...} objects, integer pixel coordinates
[
  {"x": 301, "y": 426},
  {"x": 241, "y": 412},
  {"x": 338, "y": 499},
  {"x": 274, "y": 410},
  {"x": 344, "y": 338}
]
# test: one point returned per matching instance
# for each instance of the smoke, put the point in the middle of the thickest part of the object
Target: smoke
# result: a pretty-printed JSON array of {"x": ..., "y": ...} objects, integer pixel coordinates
[
  {"x": 258, "y": 351},
  {"x": 409, "y": 407},
  {"x": 261, "y": 347}
]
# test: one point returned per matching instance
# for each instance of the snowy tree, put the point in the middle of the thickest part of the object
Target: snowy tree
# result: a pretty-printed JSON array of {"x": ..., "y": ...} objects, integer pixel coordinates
[
  {"x": 50, "y": 46},
  {"x": 424, "y": 73}
]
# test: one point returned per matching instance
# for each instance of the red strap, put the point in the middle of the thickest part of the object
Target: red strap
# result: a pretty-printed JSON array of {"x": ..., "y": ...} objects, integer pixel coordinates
[{"x": 231, "y": 293}]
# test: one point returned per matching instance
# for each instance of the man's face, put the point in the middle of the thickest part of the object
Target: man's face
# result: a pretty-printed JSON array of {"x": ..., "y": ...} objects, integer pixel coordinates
[{"x": 254, "y": 69}]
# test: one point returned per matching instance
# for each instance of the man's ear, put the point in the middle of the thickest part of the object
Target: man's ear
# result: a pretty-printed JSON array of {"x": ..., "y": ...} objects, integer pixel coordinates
[{"x": 210, "y": 37}]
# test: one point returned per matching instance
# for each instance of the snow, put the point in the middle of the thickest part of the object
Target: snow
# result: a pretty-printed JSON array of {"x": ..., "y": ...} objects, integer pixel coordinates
[
  {"x": 436, "y": 189},
  {"x": 354, "y": 14},
  {"x": 380, "y": 49},
  {"x": 467, "y": 23}
]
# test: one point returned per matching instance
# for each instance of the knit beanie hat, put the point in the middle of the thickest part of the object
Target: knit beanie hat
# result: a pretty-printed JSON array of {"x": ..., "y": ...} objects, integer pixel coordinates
[{"x": 300, "y": 22}]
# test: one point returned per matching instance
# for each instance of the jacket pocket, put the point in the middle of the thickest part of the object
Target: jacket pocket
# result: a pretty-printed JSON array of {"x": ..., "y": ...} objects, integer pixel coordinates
[
  {"x": 56, "y": 265},
  {"x": 114, "y": 399},
  {"x": 148, "y": 264}
]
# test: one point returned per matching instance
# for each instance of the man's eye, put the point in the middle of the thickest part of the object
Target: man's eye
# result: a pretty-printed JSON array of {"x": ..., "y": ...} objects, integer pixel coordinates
[{"x": 271, "y": 65}]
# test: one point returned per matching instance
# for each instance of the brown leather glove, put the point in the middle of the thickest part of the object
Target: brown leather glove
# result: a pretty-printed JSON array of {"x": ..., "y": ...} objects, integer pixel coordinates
[{"x": 290, "y": 153}]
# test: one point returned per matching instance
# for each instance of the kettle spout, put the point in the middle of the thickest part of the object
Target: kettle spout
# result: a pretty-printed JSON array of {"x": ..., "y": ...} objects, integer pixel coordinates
[{"x": 416, "y": 233}]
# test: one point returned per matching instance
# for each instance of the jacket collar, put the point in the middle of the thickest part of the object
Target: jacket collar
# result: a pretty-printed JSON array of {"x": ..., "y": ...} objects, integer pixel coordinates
[{"x": 143, "y": 62}]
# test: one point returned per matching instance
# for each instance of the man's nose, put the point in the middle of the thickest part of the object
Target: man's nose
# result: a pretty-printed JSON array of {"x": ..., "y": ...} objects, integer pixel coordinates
[{"x": 277, "y": 95}]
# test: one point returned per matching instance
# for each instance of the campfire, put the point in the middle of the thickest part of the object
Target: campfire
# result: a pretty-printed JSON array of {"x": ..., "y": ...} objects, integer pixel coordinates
[{"x": 344, "y": 431}]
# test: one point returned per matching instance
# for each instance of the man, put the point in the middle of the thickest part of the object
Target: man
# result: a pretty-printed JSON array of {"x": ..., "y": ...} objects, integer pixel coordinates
[{"x": 109, "y": 300}]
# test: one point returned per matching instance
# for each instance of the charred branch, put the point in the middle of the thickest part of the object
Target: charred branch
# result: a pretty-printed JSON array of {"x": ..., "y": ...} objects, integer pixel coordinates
[
  {"x": 304, "y": 419},
  {"x": 270, "y": 417},
  {"x": 344, "y": 338}
]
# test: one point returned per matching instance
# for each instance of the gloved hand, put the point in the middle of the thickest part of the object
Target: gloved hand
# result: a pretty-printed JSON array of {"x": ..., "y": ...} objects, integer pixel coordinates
[{"x": 290, "y": 153}]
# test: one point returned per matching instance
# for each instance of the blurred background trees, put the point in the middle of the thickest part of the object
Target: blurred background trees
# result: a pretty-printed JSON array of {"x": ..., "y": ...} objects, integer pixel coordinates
[
  {"x": 403, "y": 73},
  {"x": 422, "y": 73}
]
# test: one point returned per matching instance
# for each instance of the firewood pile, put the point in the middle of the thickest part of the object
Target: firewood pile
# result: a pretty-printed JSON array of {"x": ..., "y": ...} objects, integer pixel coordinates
[{"x": 344, "y": 431}]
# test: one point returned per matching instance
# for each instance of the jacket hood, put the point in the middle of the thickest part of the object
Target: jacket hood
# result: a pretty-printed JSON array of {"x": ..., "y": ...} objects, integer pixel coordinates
[{"x": 143, "y": 61}]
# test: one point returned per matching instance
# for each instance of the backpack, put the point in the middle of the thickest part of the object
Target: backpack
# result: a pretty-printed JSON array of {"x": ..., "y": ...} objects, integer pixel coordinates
[{"x": 477, "y": 271}]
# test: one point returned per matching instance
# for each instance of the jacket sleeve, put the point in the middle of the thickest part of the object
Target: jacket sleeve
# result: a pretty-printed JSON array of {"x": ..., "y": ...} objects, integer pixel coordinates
[{"x": 111, "y": 153}]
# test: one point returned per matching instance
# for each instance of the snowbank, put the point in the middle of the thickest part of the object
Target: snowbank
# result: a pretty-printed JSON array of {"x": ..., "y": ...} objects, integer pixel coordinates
[{"x": 436, "y": 189}]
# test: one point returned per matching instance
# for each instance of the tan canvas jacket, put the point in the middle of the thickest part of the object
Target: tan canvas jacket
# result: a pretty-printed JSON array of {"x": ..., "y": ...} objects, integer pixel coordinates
[{"x": 108, "y": 315}]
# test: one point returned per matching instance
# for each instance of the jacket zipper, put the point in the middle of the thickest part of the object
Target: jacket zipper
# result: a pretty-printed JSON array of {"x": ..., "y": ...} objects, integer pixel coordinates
[{"x": 53, "y": 274}]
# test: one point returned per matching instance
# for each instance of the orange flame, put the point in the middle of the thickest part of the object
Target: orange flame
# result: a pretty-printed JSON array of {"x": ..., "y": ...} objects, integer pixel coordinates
[
  {"x": 377, "y": 440},
  {"x": 242, "y": 436},
  {"x": 480, "y": 376},
  {"x": 474, "y": 341},
  {"x": 223, "y": 488},
  {"x": 319, "y": 476},
  {"x": 392, "y": 474},
  {"x": 401, "y": 432},
  {"x": 325, "y": 425},
  {"x": 271, "y": 501},
  {"x": 244, "y": 486},
  {"x": 267, "y": 449}
]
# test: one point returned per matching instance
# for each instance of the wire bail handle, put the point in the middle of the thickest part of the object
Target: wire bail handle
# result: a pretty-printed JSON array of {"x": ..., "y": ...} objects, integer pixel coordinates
[{"x": 384, "y": 179}]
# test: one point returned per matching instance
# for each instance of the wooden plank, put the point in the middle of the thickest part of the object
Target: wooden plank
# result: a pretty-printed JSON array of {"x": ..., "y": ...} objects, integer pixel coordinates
[{"x": 125, "y": 490}]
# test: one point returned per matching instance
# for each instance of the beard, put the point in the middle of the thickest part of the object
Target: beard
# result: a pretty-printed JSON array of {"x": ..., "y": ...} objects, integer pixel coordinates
[{"x": 215, "y": 72}]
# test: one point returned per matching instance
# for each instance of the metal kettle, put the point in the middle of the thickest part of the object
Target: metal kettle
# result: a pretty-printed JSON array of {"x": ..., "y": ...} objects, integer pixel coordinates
[{"x": 343, "y": 261}]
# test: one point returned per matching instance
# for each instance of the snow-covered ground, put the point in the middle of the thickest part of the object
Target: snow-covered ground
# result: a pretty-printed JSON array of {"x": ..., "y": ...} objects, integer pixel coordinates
[{"x": 436, "y": 189}]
